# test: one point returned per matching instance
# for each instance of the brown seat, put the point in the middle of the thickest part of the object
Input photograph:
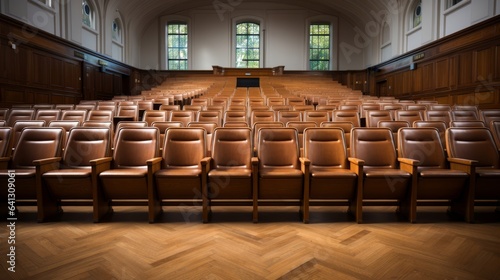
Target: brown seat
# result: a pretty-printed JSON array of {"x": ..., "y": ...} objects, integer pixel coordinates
[
  {"x": 4, "y": 114},
  {"x": 346, "y": 126},
  {"x": 165, "y": 107},
  {"x": 255, "y": 132},
  {"x": 209, "y": 128},
  {"x": 181, "y": 172},
  {"x": 438, "y": 115},
  {"x": 151, "y": 116},
  {"x": 162, "y": 126},
  {"x": 125, "y": 175},
  {"x": 126, "y": 113},
  {"x": 440, "y": 125},
  {"x": 76, "y": 177},
  {"x": 261, "y": 116},
  {"x": 301, "y": 126},
  {"x": 316, "y": 116},
  {"x": 408, "y": 115},
  {"x": 373, "y": 157},
  {"x": 235, "y": 124},
  {"x": 48, "y": 115},
  {"x": 421, "y": 153},
  {"x": 20, "y": 125},
  {"x": 488, "y": 115},
  {"x": 5, "y": 141},
  {"x": 43, "y": 106},
  {"x": 275, "y": 101},
  {"x": 367, "y": 107},
  {"x": 295, "y": 101},
  {"x": 473, "y": 150},
  {"x": 34, "y": 145},
  {"x": 233, "y": 172},
  {"x": 86, "y": 107},
  {"x": 195, "y": 108},
  {"x": 374, "y": 116},
  {"x": 210, "y": 116},
  {"x": 464, "y": 115},
  {"x": 394, "y": 126},
  {"x": 280, "y": 174},
  {"x": 16, "y": 114},
  {"x": 466, "y": 108},
  {"x": 439, "y": 107},
  {"x": 467, "y": 124},
  {"x": 495, "y": 130},
  {"x": 346, "y": 116},
  {"x": 74, "y": 115},
  {"x": 111, "y": 108},
  {"x": 235, "y": 116},
  {"x": 183, "y": 116},
  {"x": 416, "y": 107},
  {"x": 326, "y": 169},
  {"x": 289, "y": 116},
  {"x": 100, "y": 115}
]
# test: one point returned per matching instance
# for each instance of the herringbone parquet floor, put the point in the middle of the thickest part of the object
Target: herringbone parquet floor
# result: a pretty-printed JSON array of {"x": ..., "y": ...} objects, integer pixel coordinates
[{"x": 232, "y": 247}]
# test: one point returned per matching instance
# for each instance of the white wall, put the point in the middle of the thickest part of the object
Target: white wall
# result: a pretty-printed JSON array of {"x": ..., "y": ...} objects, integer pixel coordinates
[
  {"x": 465, "y": 14},
  {"x": 211, "y": 41}
]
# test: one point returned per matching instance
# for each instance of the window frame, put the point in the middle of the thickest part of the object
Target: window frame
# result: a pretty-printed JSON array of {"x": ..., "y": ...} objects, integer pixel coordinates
[
  {"x": 311, "y": 48},
  {"x": 248, "y": 49},
  {"x": 92, "y": 16},
  {"x": 178, "y": 49}
]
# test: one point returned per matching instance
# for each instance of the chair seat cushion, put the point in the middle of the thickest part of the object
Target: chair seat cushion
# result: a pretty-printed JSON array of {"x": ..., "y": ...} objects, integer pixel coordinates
[
  {"x": 331, "y": 172},
  {"x": 486, "y": 172},
  {"x": 74, "y": 173},
  {"x": 439, "y": 172},
  {"x": 230, "y": 172},
  {"x": 28, "y": 172},
  {"x": 384, "y": 172},
  {"x": 178, "y": 172},
  {"x": 125, "y": 172},
  {"x": 280, "y": 172}
]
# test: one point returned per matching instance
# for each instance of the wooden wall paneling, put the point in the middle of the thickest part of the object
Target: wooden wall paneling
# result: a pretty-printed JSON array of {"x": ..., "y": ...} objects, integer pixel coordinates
[
  {"x": 428, "y": 77},
  {"x": 418, "y": 79},
  {"x": 89, "y": 81},
  {"x": 497, "y": 62},
  {"x": 72, "y": 76},
  {"x": 466, "y": 99},
  {"x": 40, "y": 71},
  {"x": 13, "y": 96},
  {"x": 442, "y": 75},
  {"x": 117, "y": 84},
  {"x": 15, "y": 60},
  {"x": 483, "y": 64},
  {"x": 453, "y": 64},
  {"x": 407, "y": 85},
  {"x": 465, "y": 71},
  {"x": 57, "y": 73}
]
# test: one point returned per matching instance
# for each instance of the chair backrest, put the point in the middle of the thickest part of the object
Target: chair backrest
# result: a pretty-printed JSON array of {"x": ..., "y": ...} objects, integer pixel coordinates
[
  {"x": 440, "y": 125},
  {"x": 495, "y": 130},
  {"x": 394, "y": 126},
  {"x": 209, "y": 128},
  {"x": 261, "y": 116},
  {"x": 210, "y": 116},
  {"x": 346, "y": 126},
  {"x": 464, "y": 115},
  {"x": 325, "y": 147},
  {"x": 5, "y": 141},
  {"x": 474, "y": 143},
  {"x": 316, "y": 116},
  {"x": 74, "y": 115},
  {"x": 20, "y": 125},
  {"x": 196, "y": 108},
  {"x": 440, "y": 107},
  {"x": 408, "y": 115},
  {"x": 111, "y": 108},
  {"x": 289, "y": 116},
  {"x": 303, "y": 107},
  {"x": 346, "y": 116},
  {"x": 128, "y": 111},
  {"x": 232, "y": 148},
  {"x": 416, "y": 107},
  {"x": 467, "y": 124},
  {"x": 374, "y": 116},
  {"x": 259, "y": 125},
  {"x": 278, "y": 148},
  {"x": 4, "y": 113},
  {"x": 86, "y": 107},
  {"x": 488, "y": 115},
  {"x": 151, "y": 116},
  {"x": 3, "y": 123},
  {"x": 423, "y": 144},
  {"x": 16, "y": 114},
  {"x": 438, "y": 115},
  {"x": 183, "y": 116},
  {"x": 166, "y": 107},
  {"x": 100, "y": 115},
  {"x": 235, "y": 116},
  {"x": 37, "y": 143},
  {"x": 134, "y": 146},
  {"x": 367, "y": 107},
  {"x": 300, "y": 127},
  {"x": 184, "y": 147},
  {"x": 374, "y": 145},
  {"x": 48, "y": 115},
  {"x": 236, "y": 124},
  {"x": 84, "y": 144}
]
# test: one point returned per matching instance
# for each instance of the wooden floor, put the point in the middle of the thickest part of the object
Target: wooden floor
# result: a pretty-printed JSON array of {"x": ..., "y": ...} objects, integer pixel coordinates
[{"x": 232, "y": 247}]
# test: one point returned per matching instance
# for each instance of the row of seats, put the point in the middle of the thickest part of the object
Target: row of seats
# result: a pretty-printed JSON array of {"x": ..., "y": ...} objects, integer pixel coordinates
[{"x": 137, "y": 170}]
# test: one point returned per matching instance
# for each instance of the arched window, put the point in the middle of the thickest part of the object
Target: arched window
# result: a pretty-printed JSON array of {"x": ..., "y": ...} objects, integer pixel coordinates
[
  {"x": 177, "y": 46},
  {"x": 319, "y": 46},
  {"x": 417, "y": 14},
  {"x": 116, "y": 31},
  {"x": 247, "y": 45},
  {"x": 88, "y": 14}
]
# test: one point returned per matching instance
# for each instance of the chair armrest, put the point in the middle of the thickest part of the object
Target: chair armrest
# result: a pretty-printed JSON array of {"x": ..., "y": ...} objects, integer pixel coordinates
[
  {"x": 304, "y": 165},
  {"x": 206, "y": 162},
  {"x": 409, "y": 165},
  {"x": 101, "y": 164},
  {"x": 255, "y": 161},
  {"x": 47, "y": 164},
  {"x": 462, "y": 164},
  {"x": 154, "y": 164},
  {"x": 356, "y": 165},
  {"x": 4, "y": 162}
]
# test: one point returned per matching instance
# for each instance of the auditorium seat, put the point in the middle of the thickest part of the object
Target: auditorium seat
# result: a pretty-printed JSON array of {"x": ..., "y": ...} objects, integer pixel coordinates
[
  {"x": 374, "y": 158},
  {"x": 74, "y": 115},
  {"x": 326, "y": 170},
  {"x": 43, "y": 106},
  {"x": 438, "y": 115},
  {"x": 394, "y": 126},
  {"x": 289, "y": 116},
  {"x": 126, "y": 113},
  {"x": 20, "y": 125},
  {"x": 209, "y": 128},
  {"x": 467, "y": 124},
  {"x": 48, "y": 115},
  {"x": 151, "y": 116},
  {"x": 166, "y": 107},
  {"x": 422, "y": 155},
  {"x": 346, "y": 116},
  {"x": 235, "y": 124},
  {"x": 464, "y": 115},
  {"x": 367, "y": 107},
  {"x": 346, "y": 127},
  {"x": 162, "y": 126},
  {"x": 316, "y": 116},
  {"x": 16, "y": 114},
  {"x": 374, "y": 116},
  {"x": 35, "y": 144},
  {"x": 408, "y": 115},
  {"x": 66, "y": 124},
  {"x": 100, "y": 115},
  {"x": 440, "y": 125},
  {"x": 4, "y": 114},
  {"x": 495, "y": 130},
  {"x": 233, "y": 171},
  {"x": 255, "y": 132},
  {"x": 195, "y": 108},
  {"x": 300, "y": 127},
  {"x": 210, "y": 116},
  {"x": 416, "y": 107},
  {"x": 5, "y": 141},
  {"x": 183, "y": 116},
  {"x": 111, "y": 108},
  {"x": 235, "y": 116},
  {"x": 473, "y": 150},
  {"x": 181, "y": 172},
  {"x": 488, "y": 115},
  {"x": 125, "y": 175},
  {"x": 261, "y": 116},
  {"x": 280, "y": 174},
  {"x": 64, "y": 107},
  {"x": 76, "y": 178}
]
